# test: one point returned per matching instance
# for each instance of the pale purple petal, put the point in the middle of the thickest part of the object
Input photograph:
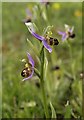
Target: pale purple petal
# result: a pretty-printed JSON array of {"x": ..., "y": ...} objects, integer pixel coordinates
[
  {"x": 71, "y": 30},
  {"x": 29, "y": 76},
  {"x": 43, "y": 41},
  {"x": 47, "y": 46},
  {"x": 61, "y": 33},
  {"x": 41, "y": 38},
  {"x": 28, "y": 12},
  {"x": 31, "y": 61},
  {"x": 64, "y": 36},
  {"x": 36, "y": 35}
]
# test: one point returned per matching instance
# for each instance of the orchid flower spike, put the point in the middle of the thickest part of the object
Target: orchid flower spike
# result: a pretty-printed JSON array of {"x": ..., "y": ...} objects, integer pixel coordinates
[
  {"x": 28, "y": 71},
  {"x": 68, "y": 32},
  {"x": 45, "y": 40}
]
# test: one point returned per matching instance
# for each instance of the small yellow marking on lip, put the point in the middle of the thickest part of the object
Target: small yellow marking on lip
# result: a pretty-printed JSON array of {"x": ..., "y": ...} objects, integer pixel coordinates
[
  {"x": 26, "y": 65},
  {"x": 28, "y": 68}
]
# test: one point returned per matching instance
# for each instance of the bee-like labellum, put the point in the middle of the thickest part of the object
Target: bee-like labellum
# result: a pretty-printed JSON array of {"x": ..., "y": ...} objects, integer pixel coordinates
[
  {"x": 56, "y": 42},
  {"x": 53, "y": 41},
  {"x": 27, "y": 20},
  {"x": 26, "y": 72},
  {"x": 72, "y": 35}
]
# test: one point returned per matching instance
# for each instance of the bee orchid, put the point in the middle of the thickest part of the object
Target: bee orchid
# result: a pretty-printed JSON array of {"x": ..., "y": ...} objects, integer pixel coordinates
[
  {"x": 28, "y": 71},
  {"x": 68, "y": 32},
  {"x": 29, "y": 16},
  {"x": 40, "y": 38}
]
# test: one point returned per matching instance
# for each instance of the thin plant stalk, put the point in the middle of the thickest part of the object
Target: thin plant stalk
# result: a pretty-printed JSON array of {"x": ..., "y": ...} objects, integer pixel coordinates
[
  {"x": 70, "y": 51},
  {"x": 37, "y": 72},
  {"x": 42, "y": 84}
]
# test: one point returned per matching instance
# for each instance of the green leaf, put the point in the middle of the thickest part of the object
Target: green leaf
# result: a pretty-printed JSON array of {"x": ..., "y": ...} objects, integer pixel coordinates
[
  {"x": 45, "y": 66},
  {"x": 42, "y": 63},
  {"x": 67, "y": 111},
  {"x": 53, "y": 111},
  {"x": 37, "y": 72},
  {"x": 32, "y": 46}
]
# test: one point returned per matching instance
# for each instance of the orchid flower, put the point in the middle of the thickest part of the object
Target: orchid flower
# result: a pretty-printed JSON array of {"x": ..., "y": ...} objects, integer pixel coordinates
[
  {"x": 40, "y": 38},
  {"x": 28, "y": 71},
  {"x": 68, "y": 32},
  {"x": 28, "y": 16}
]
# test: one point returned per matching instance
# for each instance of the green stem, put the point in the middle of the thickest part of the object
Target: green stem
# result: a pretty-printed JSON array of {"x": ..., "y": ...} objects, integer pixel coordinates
[
  {"x": 42, "y": 84},
  {"x": 37, "y": 72},
  {"x": 70, "y": 50}
]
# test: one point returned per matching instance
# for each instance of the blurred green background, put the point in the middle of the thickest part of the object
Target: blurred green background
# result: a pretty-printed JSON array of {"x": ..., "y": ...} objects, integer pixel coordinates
[{"x": 23, "y": 100}]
